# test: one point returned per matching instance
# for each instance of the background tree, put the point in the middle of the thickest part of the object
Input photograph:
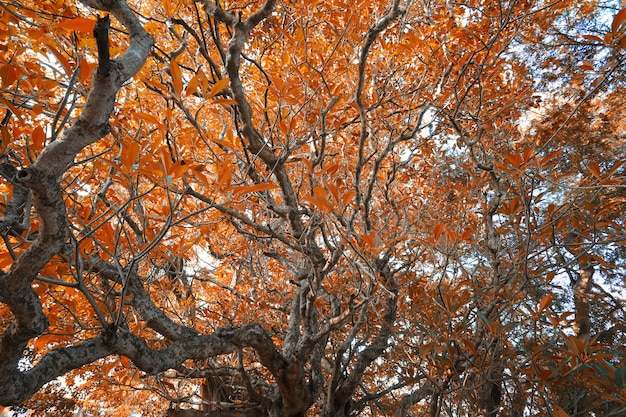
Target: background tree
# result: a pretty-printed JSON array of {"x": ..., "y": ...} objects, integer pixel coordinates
[{"x": 328, "y": 208}]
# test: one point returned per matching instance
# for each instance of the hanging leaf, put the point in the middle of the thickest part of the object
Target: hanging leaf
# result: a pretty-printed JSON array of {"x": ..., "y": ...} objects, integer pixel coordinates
[
  {"x": 438, "y": 230},
  {"x": 38, "y": 137},
  {"x": 545, "y": 303},
  {"x": 177, "y": 77},
  {"x": 9, "y": 75},
  {"x": 149, "y": 118},
  {"x": 218, "y": 86},
  {"x": 618, "y": 20},
  {"x": 86, "y": 70},
  {"x": 60, "y": 57},
  {"x": 348, "y": 197},
  {"x": 595, "y": 170},
  {"x": 167, "y": 8},
  {"x": 11, "y": 107},
  {"x": 192, "y": 85},
  {"x": 130, "y": 154},
  {"x": 593, "y": 38}
]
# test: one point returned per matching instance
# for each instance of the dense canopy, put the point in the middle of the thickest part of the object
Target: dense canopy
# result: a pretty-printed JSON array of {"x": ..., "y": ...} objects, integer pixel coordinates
[{"x": 330, "y": 208}]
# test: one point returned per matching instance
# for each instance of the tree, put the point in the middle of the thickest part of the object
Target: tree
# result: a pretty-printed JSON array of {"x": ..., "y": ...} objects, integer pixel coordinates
[{"x": 313, "y": 208}]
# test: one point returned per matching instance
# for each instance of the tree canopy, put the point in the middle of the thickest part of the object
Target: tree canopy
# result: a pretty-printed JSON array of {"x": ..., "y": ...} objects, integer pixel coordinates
[{"x": 313, "y": 208}]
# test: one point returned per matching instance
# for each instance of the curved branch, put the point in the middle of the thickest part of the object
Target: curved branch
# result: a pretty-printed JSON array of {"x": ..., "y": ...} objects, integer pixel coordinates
[{"x": 42, "y": 179}]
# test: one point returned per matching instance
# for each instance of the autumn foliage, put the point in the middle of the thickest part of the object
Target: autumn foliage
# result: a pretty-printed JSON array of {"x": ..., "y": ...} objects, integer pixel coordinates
[{"x": 303, "y": 208}]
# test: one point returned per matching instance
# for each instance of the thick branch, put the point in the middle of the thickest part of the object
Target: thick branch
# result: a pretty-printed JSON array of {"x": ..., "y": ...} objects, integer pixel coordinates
[
  {"x": 101, "y": 33},
  {"x": 42, "y": 179}
]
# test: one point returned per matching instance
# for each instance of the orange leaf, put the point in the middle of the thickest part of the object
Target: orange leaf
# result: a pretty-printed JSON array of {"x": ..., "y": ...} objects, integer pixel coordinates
[
  {"x": 60, "y": 57},
  {"x": 466, "y": 234},
  {"x": 179, "y": 168},
  {"x": 125, "y": 361},
  {"x": 11, "y": 107},
  {"x": 347, "y": 197},
  {"x": 129, "y": 156},
  {"x": 166, "y": 159},
  {"x": 225, "y": 101},
  {"x": 224, "y": 175},
  {"x": 468, "y": 344},
  {"x": 529, "y": 154},
  {"x": 618, "y": 20},
  {"x": 545, "y": 302},
  {"x": 167, "y": 8},
  {"x": 78, "y": 24},
  {"x": 107, "y": 367},
  {"x": 548, "y": 157},
  {"x": 197, "y": 173},
  {"x": 320, "y": 192},
  {"x": 372, "y": 239},
  {"x": 8, "y": 73},
  {"x": 514, "y": 159},
  {"x": 320, "y": 203},
  {"x": 5, "y": 259},
  {"x": 247, "y": 189},
  {"x": 593, "y": 38},
  {"x": 595, "y": 170},
  {"x": 86, "y": 69},
  {"x": 39, "y": 137},
  {"x": 333, "y": 190},
  {"x": 438, "y": 230},
  {"x": 177, "y": 77},
  {"x": 614, "y": 167},
  {"x": 218, "y": 86},
  {"x": 149, "y": 118},
  {"x": 193, "y": 84}
]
